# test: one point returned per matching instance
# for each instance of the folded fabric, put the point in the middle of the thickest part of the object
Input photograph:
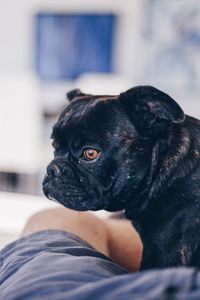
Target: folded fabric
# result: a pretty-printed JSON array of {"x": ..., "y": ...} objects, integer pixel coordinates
[{"x": 57, "y": 265}]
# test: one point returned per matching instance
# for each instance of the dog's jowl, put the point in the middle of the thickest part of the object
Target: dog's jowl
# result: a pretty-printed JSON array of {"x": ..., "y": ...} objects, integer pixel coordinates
[{"x": 136, "y": 152}]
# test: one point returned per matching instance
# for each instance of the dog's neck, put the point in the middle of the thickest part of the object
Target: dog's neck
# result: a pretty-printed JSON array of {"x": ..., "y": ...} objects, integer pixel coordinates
[{"x": 173, "y": 163}]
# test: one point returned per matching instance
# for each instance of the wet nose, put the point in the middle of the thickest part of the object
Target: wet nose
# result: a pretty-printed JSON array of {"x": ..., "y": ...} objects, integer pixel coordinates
[{"x": 53, "y": 170}]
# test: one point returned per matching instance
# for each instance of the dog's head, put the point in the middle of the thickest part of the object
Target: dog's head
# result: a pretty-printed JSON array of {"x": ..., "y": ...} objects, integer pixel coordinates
[{"x": 103, "y": 147}]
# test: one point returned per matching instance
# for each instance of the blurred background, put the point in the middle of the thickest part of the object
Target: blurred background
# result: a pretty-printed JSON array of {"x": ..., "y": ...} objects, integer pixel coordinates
[{"x": 49, "y": 47}]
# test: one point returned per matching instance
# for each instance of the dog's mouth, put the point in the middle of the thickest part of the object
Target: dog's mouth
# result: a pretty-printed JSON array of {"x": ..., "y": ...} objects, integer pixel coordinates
[
  {"x": 81, "y": 195},
  {"x": 78, "y": 201},
  {"x": 70, "y": 196}
]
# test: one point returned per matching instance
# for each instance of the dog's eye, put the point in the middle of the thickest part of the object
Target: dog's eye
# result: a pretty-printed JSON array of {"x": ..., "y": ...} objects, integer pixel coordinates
[{"x": 90, "y": 154}]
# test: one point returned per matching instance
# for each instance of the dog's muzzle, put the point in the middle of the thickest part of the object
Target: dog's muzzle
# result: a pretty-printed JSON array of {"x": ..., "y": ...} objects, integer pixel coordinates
[{"x": 53, "y": 170}]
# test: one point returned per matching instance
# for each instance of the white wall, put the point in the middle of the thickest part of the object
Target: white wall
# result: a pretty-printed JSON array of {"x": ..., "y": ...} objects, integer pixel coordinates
[{"x": 15, "y": 35}]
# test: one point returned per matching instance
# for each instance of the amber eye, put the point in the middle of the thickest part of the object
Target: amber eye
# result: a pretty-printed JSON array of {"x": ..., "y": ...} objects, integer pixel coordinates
[{"x": 90, "y": 154}]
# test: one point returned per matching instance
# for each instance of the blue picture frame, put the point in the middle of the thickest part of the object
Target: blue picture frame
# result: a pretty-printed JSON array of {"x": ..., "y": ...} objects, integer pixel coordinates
[{"x": 68, "y": 45}]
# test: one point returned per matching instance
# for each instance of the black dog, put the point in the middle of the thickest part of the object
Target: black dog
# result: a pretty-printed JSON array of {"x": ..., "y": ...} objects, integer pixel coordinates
[{"x": 136, "y": 152}]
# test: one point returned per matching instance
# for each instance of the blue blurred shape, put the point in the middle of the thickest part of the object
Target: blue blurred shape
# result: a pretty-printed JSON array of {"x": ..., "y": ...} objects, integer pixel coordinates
[{"x": 68, "y": 45}]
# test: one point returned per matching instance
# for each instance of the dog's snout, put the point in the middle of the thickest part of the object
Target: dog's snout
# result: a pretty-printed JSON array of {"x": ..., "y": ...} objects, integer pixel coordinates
[{"x": 53, "y": 170}]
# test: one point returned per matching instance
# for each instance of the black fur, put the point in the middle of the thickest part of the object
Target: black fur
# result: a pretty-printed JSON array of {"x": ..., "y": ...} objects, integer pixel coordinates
[
  {"x": 149, "y": 165},
  {"x": 74, "y": 94}
]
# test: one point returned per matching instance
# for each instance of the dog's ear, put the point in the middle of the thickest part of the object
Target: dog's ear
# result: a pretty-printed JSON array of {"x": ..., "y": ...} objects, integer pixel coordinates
[
  {"x": 151, "y": 109},
  {"x": 73, "y": 94}
]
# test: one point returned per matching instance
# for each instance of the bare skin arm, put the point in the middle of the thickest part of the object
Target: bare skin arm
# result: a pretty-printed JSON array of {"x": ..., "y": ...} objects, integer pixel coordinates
[{"x": 114, "y": 238}]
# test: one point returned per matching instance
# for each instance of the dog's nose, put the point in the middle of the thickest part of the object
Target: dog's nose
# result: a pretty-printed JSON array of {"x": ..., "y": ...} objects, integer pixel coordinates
[{"x": 53, "y": 170}]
